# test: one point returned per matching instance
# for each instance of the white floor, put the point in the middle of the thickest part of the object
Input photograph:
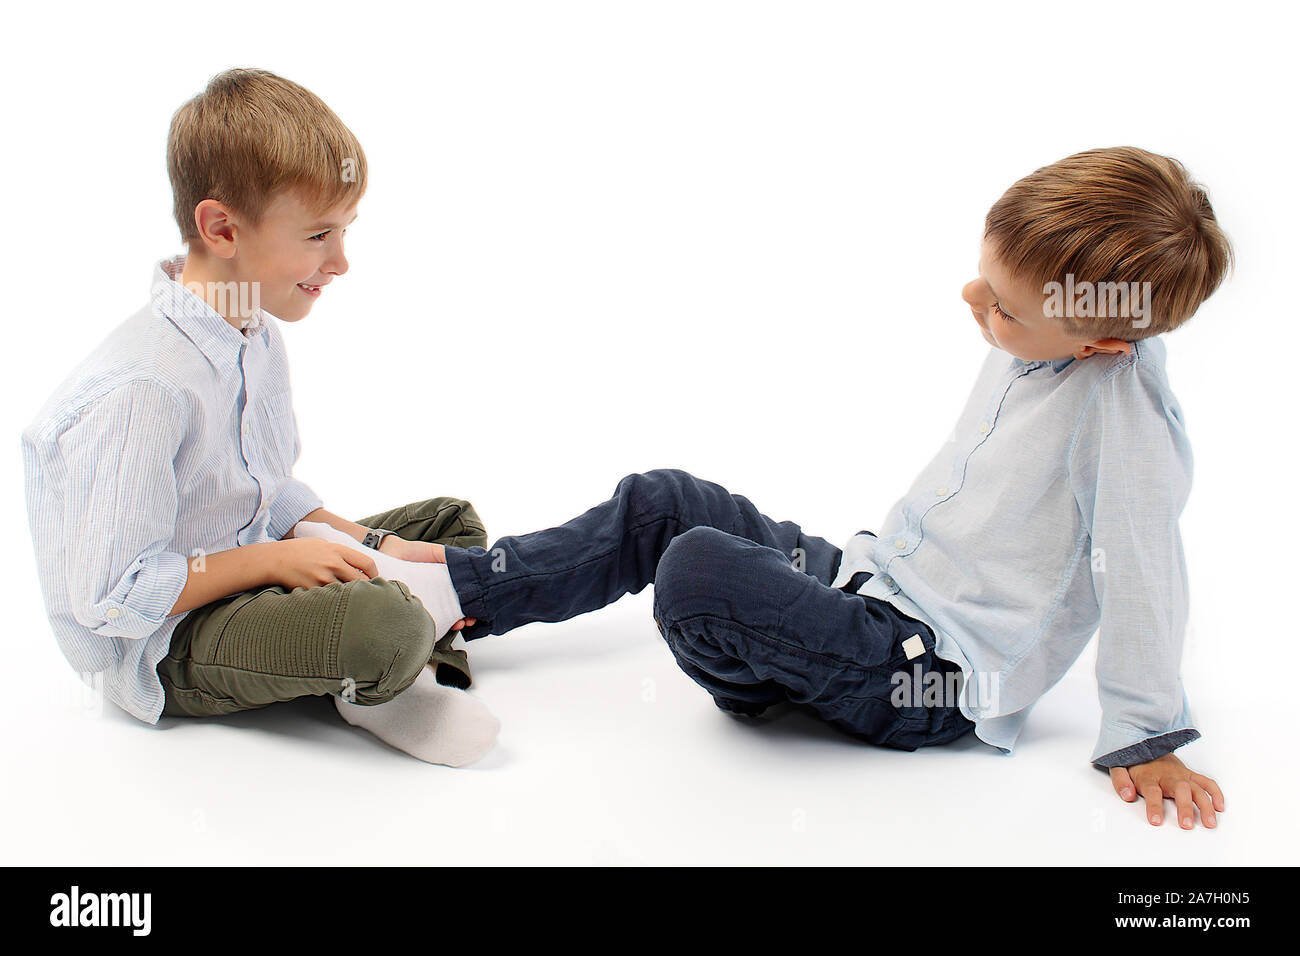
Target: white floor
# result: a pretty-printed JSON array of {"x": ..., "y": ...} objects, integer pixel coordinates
[
  {"x": 749, "y": 268},
  {"x": 608, "y": 755}
]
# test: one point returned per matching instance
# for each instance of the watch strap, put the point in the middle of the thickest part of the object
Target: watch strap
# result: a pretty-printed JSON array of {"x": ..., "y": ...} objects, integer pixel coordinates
[{"x": 375, "y": 537}]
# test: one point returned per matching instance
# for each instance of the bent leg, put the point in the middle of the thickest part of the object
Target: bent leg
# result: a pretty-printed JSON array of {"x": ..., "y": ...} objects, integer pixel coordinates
[
  {"x": 367, "y": 638},
  {"x": 751, "y": 631},
  {"x": 442, "y": 520},
  {"x": 445, "y": 521},
  {"x": 611, "y": 550}
]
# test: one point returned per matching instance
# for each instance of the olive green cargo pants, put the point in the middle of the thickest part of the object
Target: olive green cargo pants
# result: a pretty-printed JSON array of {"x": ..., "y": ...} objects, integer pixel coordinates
[{"x": 366, "y": 640}]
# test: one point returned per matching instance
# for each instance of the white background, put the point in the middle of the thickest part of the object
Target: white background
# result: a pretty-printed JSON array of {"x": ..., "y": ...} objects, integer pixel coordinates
[{"x": 608, "y": 237}]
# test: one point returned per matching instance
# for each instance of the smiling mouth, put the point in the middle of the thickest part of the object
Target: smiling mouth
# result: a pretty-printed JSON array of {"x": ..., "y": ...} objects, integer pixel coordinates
[{"x": 309, "y": 289}]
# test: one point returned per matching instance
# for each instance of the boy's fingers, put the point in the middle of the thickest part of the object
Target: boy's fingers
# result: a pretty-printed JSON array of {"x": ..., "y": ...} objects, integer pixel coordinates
[
  {"x": 1123, "y": 783},
  {"x": 1206, "y": 804},
  {"x": 1154, "y": 797},
  {"x": 364, "y": 562},
  {"x": 1183, "y": 804},
  {"x": 358, "y": 568},
  {"x": 1210, "y": 785}
]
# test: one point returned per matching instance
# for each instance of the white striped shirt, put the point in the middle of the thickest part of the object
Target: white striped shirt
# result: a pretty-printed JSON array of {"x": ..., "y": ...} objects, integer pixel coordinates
[{"x": 175, "y": 438}]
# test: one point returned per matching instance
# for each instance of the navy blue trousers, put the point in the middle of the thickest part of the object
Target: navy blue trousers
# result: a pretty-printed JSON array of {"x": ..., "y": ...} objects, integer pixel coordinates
[{"x": 743, "y": 601}]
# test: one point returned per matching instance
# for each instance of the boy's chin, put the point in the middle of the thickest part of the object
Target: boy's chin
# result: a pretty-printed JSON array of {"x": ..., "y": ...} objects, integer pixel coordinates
[{"x": 291, "y": 311}]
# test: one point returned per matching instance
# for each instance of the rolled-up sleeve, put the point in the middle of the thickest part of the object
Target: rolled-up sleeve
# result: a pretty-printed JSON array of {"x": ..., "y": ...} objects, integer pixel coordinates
[
  {"x": 1131, "y": 472},
  {"x": 120, "y": 510},
  {"x": 294, "y": 502}
]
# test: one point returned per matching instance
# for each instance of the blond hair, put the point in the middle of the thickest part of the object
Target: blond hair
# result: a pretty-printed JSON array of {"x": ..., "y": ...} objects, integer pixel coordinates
[
  {"x": 252, "y": 134},
  {"x": 1116, "y": 215}
]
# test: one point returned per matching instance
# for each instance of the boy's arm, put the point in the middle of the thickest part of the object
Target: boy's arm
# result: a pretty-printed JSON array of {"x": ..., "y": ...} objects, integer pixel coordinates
[
  {"x": 225, "y": 573},
  {"x": 357, "y": 531},
  {"x": 391, "y": 545},
  {"x": 120, "y": 509},
  {"x": 1131, "y": 474}
]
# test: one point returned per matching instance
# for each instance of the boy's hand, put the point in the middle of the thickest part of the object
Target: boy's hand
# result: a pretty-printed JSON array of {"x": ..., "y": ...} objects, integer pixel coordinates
[
  {"x": 313, "y": 562},
  {"x": 1167, "y": 776}
]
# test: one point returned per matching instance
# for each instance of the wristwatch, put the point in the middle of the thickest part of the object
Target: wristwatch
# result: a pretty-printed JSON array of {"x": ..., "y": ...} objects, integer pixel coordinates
[{"x": 375, "y": 537}]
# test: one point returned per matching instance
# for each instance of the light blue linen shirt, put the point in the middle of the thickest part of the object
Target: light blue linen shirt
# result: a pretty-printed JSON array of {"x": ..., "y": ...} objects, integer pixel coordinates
[
  {"x": 175, "y": 438},
  {"x": 1051, "y": 514}
]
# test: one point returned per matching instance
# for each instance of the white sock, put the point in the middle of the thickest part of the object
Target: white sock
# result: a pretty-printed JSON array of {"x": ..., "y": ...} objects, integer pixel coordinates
[
  {"x": 438, "y": 724},
  {"x": 430, "y": 582}
]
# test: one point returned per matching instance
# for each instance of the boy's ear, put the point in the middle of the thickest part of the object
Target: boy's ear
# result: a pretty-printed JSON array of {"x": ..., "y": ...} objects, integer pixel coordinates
[{"x": 216, "y": 225}]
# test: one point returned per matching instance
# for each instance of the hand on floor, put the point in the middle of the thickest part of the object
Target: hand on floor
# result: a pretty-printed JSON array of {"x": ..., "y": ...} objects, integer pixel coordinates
[{"x": 1168, "y": 776}]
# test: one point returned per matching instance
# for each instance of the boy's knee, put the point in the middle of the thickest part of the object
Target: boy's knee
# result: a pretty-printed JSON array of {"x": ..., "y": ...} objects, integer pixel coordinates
[
  {"x": 386, "y": 635},
  {"x": 693, "y": 571},
  {"x": 452, "y": 521},
  {"x": 659, "y": 489}
]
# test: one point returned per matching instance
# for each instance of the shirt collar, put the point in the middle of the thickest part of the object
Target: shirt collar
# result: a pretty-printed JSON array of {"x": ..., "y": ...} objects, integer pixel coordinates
[
  {"x": 1056, "y": 364},
  {"x": 216, "y": 338}
]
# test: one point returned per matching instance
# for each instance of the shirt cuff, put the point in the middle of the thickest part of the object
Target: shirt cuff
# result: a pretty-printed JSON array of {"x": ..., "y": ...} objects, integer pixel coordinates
[
  {"x": 1149, "y": 749},
  {"x": 143, "y": 598},
  {"x": 294, "y": 501}
]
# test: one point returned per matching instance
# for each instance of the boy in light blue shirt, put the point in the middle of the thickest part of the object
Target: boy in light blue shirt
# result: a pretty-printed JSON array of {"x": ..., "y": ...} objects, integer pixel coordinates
[
  {"x": 159, "y": 474},
  {"x": 1050, "y": 513}
]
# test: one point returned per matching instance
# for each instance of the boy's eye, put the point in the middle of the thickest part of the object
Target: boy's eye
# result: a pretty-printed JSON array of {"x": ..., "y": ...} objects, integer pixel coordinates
[
  {"x": 1001, "y": 313},
  {"x": 321, "y": 236}
]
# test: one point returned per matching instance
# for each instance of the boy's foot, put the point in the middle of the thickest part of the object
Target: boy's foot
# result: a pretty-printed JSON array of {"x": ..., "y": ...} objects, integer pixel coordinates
[{"x": 437, "y": 724}]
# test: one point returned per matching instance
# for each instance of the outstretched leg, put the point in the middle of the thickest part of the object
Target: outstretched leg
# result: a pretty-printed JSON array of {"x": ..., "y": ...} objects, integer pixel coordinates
[{"x": 614, "y": 549}]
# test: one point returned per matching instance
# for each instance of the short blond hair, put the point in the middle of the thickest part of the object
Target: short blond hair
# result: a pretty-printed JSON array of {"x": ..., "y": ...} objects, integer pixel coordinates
[
  {"x": 1115, "y": 215},
  {"x": 249, "y": 136}
]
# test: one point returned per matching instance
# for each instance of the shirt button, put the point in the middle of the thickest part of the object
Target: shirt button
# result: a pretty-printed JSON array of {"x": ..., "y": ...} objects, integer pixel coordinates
[
  {"x": 984, "y": 428},
  {"x": 887, "y": 581},
  {"x": 900, "y": 542},
  {"x": 941, "y": 491},
  {"x": 113, "y": 612}
]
